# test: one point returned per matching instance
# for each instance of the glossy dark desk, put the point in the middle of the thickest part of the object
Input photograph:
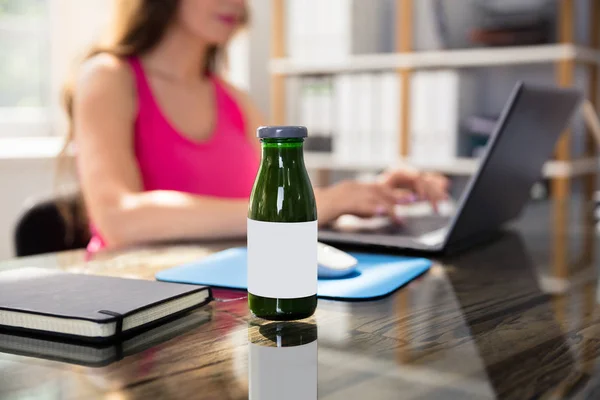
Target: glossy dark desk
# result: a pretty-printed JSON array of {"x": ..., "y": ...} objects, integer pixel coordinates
[{"x": 501, "y": 321}]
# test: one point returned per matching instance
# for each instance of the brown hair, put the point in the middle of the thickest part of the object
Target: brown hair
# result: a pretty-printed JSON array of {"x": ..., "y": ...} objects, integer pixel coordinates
[{"x": 137, "y": 27}]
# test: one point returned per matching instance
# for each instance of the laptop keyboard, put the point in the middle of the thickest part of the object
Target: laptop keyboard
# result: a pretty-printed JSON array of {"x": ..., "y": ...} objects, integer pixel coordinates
[{"x": 415, "y": 226}]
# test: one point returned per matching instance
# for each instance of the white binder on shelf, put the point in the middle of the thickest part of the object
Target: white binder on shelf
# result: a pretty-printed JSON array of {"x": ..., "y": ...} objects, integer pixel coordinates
[
  {"x": 307, "y": 107},
  {"x": 293, "y": 101},
  {"x": 456, "y": 100},
  {"x": 442, "y": 99},
  {"x": 342, "y": 117},
  {"x": 422, "y": 148},
  {"x": 363, "y": 127},
  {"x": 353, "y": 151},
  {"x": 446, "y": 119},
  {"x": 390, "y": 116},
  {"x": 376, "y": 134},
  {"x": 329, "y": 112}
]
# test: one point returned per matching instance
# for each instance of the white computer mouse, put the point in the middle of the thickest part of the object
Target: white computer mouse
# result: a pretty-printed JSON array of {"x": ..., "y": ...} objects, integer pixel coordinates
[{"x": 334, "y": 263}]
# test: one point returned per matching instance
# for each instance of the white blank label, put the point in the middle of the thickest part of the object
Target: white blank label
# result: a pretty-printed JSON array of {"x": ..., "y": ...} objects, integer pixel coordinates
[{"x": 282, "y": 259}]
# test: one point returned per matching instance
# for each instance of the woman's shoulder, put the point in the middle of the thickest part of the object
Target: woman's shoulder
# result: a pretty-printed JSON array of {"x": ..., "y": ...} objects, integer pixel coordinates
[
  {"x": 105, "y": 71},
  {"x": 108, "y": 81}
]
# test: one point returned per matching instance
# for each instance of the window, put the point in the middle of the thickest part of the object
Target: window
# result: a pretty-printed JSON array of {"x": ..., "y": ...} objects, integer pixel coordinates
[{"x": 24, "y": 67}]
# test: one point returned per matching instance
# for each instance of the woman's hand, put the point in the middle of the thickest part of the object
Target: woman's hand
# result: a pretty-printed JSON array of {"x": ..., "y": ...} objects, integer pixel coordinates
[
  {"x": 357, "y": 198},
  {"x": 379, "y": 198},
  {"x": 427, "y": 186}
]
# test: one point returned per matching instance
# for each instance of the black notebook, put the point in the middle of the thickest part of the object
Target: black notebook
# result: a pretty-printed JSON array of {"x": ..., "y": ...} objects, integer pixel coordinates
[
  {"x": 89, "y": 307},
  {"x": 101, "y": 355}
]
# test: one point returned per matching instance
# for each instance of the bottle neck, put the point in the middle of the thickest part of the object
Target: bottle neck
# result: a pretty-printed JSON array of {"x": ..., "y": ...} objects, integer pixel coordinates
[{"x": 283, "y": 150}]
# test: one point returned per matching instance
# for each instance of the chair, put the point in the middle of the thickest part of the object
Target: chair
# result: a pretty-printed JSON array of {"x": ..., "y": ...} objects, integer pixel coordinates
[{"x": 43, "y": 229}]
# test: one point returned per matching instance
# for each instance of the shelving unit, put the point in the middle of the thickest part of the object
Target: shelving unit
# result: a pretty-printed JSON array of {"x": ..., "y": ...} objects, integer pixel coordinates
[{"x": 565, "y": 55}]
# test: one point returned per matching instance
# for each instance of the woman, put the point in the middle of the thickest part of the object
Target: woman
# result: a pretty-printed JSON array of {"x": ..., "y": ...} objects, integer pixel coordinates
[{"x": 167, "y": 150}]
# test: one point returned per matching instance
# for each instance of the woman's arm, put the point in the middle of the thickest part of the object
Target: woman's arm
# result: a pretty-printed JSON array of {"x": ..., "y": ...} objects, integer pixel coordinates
[
  {"x": 346, "y": 197},
  {"x": 104, "y": 109}
]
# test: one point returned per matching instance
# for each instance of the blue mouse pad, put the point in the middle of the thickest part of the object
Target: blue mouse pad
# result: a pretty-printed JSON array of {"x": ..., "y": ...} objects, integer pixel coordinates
[{"x": 375, "y": 276}]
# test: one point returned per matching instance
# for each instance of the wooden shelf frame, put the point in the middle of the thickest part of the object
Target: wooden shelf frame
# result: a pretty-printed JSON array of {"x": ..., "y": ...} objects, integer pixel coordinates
[{"x": 460, "y": 58}]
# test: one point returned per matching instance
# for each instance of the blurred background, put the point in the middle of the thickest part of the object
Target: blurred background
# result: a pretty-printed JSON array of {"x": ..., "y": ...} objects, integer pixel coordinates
[{"x": 374, "y": 85}]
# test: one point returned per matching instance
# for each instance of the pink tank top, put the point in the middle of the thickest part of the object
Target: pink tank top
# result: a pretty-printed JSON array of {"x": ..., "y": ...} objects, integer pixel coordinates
[{"x": 224, "y": 165}]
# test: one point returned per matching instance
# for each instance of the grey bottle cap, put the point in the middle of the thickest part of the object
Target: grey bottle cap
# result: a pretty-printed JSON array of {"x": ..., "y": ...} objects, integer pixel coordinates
[{"x": 281, "y": 132}]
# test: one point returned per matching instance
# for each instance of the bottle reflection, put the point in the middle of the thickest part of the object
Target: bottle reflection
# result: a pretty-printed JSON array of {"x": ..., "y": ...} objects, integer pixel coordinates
[{"x": 282, "y": 361}]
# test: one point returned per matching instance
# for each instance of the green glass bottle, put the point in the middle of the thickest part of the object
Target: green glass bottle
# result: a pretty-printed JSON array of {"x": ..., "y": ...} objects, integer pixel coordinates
[{"x": 282, "y": 230}]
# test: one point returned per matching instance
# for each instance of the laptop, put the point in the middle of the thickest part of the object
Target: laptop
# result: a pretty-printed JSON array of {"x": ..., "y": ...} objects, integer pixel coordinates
[{"x": 524, "y": 139}]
